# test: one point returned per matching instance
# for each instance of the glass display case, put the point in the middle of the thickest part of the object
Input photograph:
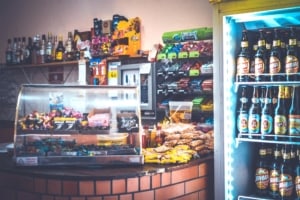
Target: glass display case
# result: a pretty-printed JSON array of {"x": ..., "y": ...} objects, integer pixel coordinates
[{"x": 77, "y": 125}]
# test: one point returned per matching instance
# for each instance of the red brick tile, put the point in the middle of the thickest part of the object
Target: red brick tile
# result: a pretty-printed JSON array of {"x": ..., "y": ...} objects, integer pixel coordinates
[
  {"x": 170, "y": 192},
  {"x": 165, "y": 178},
  {"x": 94, "y": 198},
  {"x": 54, "y": 186},
  {"x": 203, "y": 169},
  {"x": 192, "y": 196},
  {"x": 144, "y": 183},
  {"x": 77, "y": 198},
  {"x": 110, "y": 198},
  {"x": 132, "y": 184},
  {"x": 70, "y": 188},
  {"x": 195, "y": 185},
  {"x": 103, "y": 187},
  {"x": 203, "y": 195},
  {"x": 40, "y": 185},
  {"x": 155, "y": 181},
  {"x": 147, "y": 195},
  {"x": 86, "y": 188},
  {"x": 118, "y": 186},
  {"x": 64, "y": 198},
  {"x": 184, "y": 174},
  {"x": 125, "y": 197}
]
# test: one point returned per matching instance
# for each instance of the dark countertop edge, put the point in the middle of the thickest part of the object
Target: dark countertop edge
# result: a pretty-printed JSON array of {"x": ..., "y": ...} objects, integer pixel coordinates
[{"x": 95, "y": 172}]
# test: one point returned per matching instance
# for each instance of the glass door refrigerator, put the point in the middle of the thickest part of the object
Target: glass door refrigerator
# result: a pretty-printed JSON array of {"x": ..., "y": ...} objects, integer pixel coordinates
[{"x": 236, "y": 154}]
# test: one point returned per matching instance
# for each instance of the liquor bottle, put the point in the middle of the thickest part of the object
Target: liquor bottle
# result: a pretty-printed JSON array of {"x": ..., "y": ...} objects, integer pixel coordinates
[
  {"x": 286, "y": 183},
  {"x": 261, "y": 67},
  {"x": 54, "y": 46},
  {"x": 23, "y": 50},
  {"x": 291, "y": 59},
  {"x": 275, "y": 172},
  {"x": 242, "y": 112},
  {"x": 294, "y": 113},
  {"x": 60, "y": 50},
  {"x": 69, "y": 47},
  {"x": 8, "y": 52},
  {"x": 262, "y": 175},
  {"x": 49, "y": 46},
  {"x": 18, "y": 51},
  {"x": 266, "y": 127},
  {"x": 254, "y": 113},
  {"x": 297, "y": 179},
  {"x": 28, "y": 54},
  {"x": 276, "y": 59},
  {"x": 14, "y": 50},
  {"x": 243, "y": 59},
  {"x": 42, "y": 55},
  {"x": 280, "y": 115}
]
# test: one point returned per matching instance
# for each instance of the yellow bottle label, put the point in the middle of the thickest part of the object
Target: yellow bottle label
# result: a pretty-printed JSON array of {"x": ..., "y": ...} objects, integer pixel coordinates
[{"x": 59, "y": 56}]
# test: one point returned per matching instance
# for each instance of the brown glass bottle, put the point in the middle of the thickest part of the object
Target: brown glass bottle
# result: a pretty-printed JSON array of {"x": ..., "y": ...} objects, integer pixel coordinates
[
  {"x": 60, "y": 50},
  {"x": 280, "y": 115},
  {"x": 242, "y": 112},
  {"x": 291, "y": 59},
  {"x": 254, "y": 113},
  {"x": 286, "y": 183},
  {"x": 243, "y": 59},
  {"x": 8, "y": 52},
  {"x": 297, "y": 179},
  {"x": 261, "y": 67},
  {"x": 276, "y": 64},
  {"x": 262, "y": 176},
  {"x": 275, "y": 172}
]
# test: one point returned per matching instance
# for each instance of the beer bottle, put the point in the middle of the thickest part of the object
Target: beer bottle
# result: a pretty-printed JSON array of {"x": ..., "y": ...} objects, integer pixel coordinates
[
  {"x": 297, "y": 179},
  {"x": 254, "y": 113},
  {"x": 8, "y": 52},
  {"x": 60, "y": 50},
  {"x": 243, "y": 59},
  {"x": 260, "y": 59},
  {"x": 242, "y": 112},
  {"x": 291, "y": 59},
  {"x": 276, "y": 60},
  {"x": 294, "y": 113},
  {"x": 286, "y": 183},
  {"x": 287, "y": 97},
  {"x": 266, "y": 127},
  {"x": 262, "y": 176},
  {"x": 275, "y": 172},
  {"x": 280, "y": 115}
]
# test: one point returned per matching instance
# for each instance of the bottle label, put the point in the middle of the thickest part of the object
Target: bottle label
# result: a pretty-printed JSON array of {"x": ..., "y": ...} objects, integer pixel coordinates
[
  {"x": 274, "y": 180},
  {"x": 262, "y": 178},
  {"x": 59, "y": 56},
  {"x": 291, "y": 64},
  {"x": 286, "y": 185},
  {"x": 243, "y": 65},
  {"x": 294, "y": 124},
  {"x": 244, "y": 44},
  {"x": 266, "y": 124},
  {"x": 242, "y": 123},
  {"x": 297, "y": 185},
  {"x": 274, "y": 65},
  {"x": 253, "y": 123},
  {"x": 280, "y": 125},
  {"x": 259, "y": 66}
]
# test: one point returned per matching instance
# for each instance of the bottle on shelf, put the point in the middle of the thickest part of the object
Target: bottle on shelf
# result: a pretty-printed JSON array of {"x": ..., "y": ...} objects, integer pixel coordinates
[
  {"x": 280, "y": 115},
  {"x": 291, "y": 59},
  {"x": 69, "y": 47},
  {"x": 242, "y": 112},
  {"x": 60, "y": 50},
  {"x": 254, "y": 114},
  {"x": 276, "y": 64},
  {"x": 24, "y": 52},
  {"x": 42, "y": 55},
  {"x": 286, "y": 182},
  {"x": 243, "y": 59},
  {"x": 267, "y": 115},
  {"x": 275, "y": 172},
  {"x": 8, "y": 52},
  {"x": 18, "y": 51},
  {"x": 261, "y": 66},
  {"x": 294, "y": 114},
  {"x": 49, "y": 46},
  {"x": 28, "y": 54},
  {"x": 262, "y": 175},
  {"x": 297, "y": 179},
  {"x": 14, "y": 51}
]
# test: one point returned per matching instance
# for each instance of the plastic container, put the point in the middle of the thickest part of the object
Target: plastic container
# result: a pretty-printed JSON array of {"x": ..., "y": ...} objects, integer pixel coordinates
[{"x": 180, "y": 111}]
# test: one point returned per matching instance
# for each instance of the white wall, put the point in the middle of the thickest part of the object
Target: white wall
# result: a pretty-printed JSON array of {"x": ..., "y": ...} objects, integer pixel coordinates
[{"x": 29, "y": 17}]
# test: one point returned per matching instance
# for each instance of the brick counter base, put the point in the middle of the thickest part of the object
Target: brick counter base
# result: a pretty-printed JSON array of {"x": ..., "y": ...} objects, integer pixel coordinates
[{"x": 190, "y": 183}]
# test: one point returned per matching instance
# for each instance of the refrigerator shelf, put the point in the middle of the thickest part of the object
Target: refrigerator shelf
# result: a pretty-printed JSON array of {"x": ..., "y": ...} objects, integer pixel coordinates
[
  {"x": 266, "y": 83},
  {"x": 281, "y": 139},
  {"x": 252, "y": 198}
]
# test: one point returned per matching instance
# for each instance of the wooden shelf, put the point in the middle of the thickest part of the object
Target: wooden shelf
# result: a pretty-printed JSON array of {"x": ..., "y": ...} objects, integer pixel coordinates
[{"x": 52, "y": 64}]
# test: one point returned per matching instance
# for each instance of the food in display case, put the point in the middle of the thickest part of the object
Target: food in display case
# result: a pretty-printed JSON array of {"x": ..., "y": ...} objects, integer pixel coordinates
[{"x": 77, "y": 125}]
